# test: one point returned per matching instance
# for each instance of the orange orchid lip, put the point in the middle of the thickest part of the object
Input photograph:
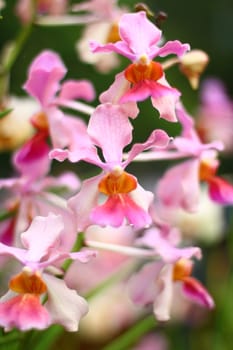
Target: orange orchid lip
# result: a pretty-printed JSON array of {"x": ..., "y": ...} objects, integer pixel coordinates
[
  {"x": 207, "y": 170},
  {"x": 137, "y": 72},
  {"x": 27, "y": 282},
  {"x": 116, "y": 184},
  {"x": 182, "y": 269}
]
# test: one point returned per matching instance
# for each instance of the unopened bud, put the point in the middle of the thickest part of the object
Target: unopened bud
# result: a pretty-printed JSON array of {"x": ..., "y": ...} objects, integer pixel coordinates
[{"x": 192, "y": 65}]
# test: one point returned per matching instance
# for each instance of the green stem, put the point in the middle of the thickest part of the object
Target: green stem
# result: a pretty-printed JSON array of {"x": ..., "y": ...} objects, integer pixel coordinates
[
  {"x": 77, "y": 246},
  {"x": 131, "y": 336},
  {"x": 116, "y": 277},
  {"x": 12, "y": 54},
  {"x": 16, "y": 48},
  {"x": 9, "y": 338},
  {"x": 4, "y": 215}
]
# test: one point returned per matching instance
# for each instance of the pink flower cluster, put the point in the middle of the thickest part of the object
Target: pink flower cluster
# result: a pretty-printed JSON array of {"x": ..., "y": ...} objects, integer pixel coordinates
[{"x": 42, "y": 225}]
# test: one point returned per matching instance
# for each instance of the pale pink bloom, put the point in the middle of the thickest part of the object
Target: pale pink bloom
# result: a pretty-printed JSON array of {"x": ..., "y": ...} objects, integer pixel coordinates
[
  {"x": 210, "y": 215},
  {"x": 160, "y": 240},
  {"x": 215, "y": 114},
  {"x": 160, "y": 280},
  {"x": 180, "y": 185},
  {"x": 21, "y": 306},
  {"x": 152, "y": 342},
  {"x": 44, "y": 83},
  {"x": 106, "y": 263},
  {"x": 139, "y": 43},
  {"x": 101, "y": 25},
  {"x": 125, "y": 197},
  {"x": 29, "y": 194},
  {"x": 25, "y": 8},
  {"x": 160, "y": 277}
]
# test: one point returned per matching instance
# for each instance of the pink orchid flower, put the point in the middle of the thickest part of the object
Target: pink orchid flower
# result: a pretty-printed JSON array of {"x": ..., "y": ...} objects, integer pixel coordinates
[
  {"x": 29, "y": 194},
  {"x": 101, "y": 24},
  {"x": 25, "y": 9},
  {"x": 145, "y": 77},
  {"x": 125, "y": 197},
  {"x": 180, "y": 185},
  {"x": 22, "y": 306},
  {"x": 215, "y": 114},
  {"x": 160, "y": 280},
  {"x": 160, "y": 277},
  {"x": 44, "y": 83}
]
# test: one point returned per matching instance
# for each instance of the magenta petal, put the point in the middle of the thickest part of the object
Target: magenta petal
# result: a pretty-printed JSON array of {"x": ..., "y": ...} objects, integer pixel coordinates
[
  {"x": 195, "y": 291},
  {"x": 118, "y": 207},
  {"x": 45, "y": 73},
  {"x": 220, "y": 190},
  {"x": 110, "y": 213},
  {"x": 139, "y": 92},
  {"x": 24, "y": 312},
  {"x": 32, "y": 158},
  {"x": 7, "y": 231},
  {"x": 136, "y": 215}
]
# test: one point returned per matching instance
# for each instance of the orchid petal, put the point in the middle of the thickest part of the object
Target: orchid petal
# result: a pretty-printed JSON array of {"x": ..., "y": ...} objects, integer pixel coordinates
[
  {"x": 32, "y": 158},
  {"x": 24, "y": 312},
  {"x": 65, "y": 305},
  {"x": 220, "y": 190},
  {"x": 17, "y": 253},
  {"x": 139, "y": 92},
  {"x": 164, "y": 99},
  {"x": 173, "y": 47},
  {"x": 195, "y": 291},
  {"x": 163, "y": 294},
  {"x": 179, "y": 187},
  {"x": 138, "y": 33},
  {"x": 119, "y": 87},
  {"x": 45, "y": 73},
  {"x": 41, "y": 236},
  {"x": 77, "y": 89},
  {"x": 158, "y": 139},
  {"x": 163, "y": 248},
  {"x": 110, "y": 213},
  {"x": 108, "y": 118},
  {"x": 83, "y": 202},
  {"x": 145, "y": 277}
]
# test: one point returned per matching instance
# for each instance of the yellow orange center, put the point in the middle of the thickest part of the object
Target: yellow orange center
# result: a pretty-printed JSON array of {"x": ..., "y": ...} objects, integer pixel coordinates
[
  {"x": 137, "y": 72},
  {"x": 27, "y": 282},
  {"x": 207, "y": 170},
  {"x": 182, "y": 269},
  {"x": 40, "y": 121},
  {"x": 117, "y": 183},
  {"x": 113, "y": 34}
]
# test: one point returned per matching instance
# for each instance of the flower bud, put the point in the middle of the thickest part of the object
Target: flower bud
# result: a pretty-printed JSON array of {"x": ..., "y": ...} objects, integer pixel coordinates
[{"x": 192, "y": 64}]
